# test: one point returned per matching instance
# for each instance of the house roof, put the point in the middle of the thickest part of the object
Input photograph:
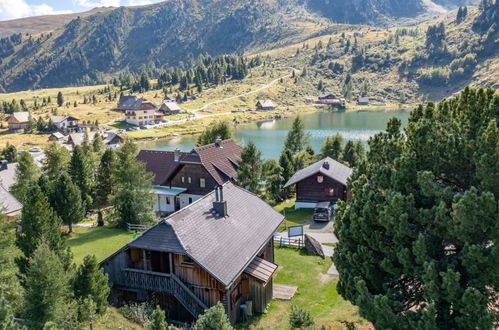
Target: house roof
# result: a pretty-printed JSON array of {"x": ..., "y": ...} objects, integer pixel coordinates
[
  {"x": 219, "y": 160},
  {"x": 21, "y": 116},
  {"x": 126, "y": 102},
  {"x": 60, "y": 119},
  {"x": 223, "y": 246},
  {"x": 110, "y": 137},
  {"x": 78, "y": 138},
  {"x": 170, "y": 106},
  {"x": 266, "y": 103},
  {"x": 261, "y": 269},
  {"x": 334, "y": 170},
  {"x": 8, "y": 203},
  {"x": 363, "y": 99},
  {"x": 57, "y": 135}
]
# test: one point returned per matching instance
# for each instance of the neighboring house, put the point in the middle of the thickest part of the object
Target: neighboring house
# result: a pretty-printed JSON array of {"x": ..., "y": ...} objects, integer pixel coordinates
[
  {"x": 326, "y": 96},
  {"x": 331, "y": 99},
  {"x": 9, "y": 205},
  {"x": 218, "y": 249},
  {"x": 180, "y": 178},
  {"x": 109, "y": 139},
  {"x": 141, "y": 112},
  {"x": 8, "y": 170},
  {"x": 64, "y": 122},
  {"x": 363, "y": 101},
  {"x": 112, "y": 139},
  {"x": 56, "y": 136},
  {"x": 18, "y": 120},
  {"x": 126, "y": 102},
  {"x": 170, "y": 99},
  {"x": 325, "y": 180},
  {"x": 265, "y": 105},
  {"x": 170, "y": 108}
]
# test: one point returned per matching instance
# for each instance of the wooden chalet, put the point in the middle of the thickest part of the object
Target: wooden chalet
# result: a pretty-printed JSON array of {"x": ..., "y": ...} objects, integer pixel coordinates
[
  {"x": 56, "y": 136},
  {"x": 110, "y": 139},
  {"x": 265, "y": 105},
  {"x": 18, "y": 120},
  {"x": 363, "y": 101},
  {"x": 169, "y": 108},
  {"x": 219, "y": 248},
  {"x": 325, "y": 180},
  {"x": 180, "y": 178},
  {"x": 64, "y": 122},
  {"x": 126, "y": 102},
  {"x": 141, "y": 112}
]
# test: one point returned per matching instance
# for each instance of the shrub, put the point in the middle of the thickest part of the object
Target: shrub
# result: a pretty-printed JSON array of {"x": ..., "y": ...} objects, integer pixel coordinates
[
  {"x": 300, "y": 318},
  {"x": 214, "y": 318},
  {"x": 138, "y": 313}
]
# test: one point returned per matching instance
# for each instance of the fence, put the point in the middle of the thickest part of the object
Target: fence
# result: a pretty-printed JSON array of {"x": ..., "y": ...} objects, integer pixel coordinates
[
  {"x": 136, "y": 227},
  {"x": 285, "y": 241}
]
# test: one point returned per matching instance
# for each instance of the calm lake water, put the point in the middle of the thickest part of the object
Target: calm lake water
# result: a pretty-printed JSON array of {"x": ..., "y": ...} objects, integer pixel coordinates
[{"x": 269, "y": 135}]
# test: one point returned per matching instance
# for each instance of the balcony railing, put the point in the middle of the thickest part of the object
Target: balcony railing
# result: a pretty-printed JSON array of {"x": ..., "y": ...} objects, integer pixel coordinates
[{"x": 165, "y": 283}]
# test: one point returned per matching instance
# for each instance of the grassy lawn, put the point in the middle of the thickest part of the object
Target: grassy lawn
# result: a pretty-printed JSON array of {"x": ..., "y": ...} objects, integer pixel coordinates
[
  {"x": 113, "y": 319},
  {"x": 316, "y": 292},
  {"x": 293, "y": 217},
  {"x": 120, "y": 125},
  {"x": 101, "y": 241}
]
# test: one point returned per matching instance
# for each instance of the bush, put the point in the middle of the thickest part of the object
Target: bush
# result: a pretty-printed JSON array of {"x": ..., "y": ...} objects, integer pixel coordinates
[
  {"x": 138, "y": 313},
  {"x": 214, "y": 318},
  {"x": 300, "y": 318}
]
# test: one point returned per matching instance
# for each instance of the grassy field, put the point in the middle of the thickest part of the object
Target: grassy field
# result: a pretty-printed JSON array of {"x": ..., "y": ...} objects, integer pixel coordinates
[
  {"x": 293, "y": 217},
  {"x": 114, "y": 320}
]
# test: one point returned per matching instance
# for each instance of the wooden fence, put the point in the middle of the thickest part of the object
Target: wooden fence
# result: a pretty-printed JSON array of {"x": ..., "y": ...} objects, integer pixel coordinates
[
  {"x": 285, "y": 241},
  {"x": 136, "y": 227}
]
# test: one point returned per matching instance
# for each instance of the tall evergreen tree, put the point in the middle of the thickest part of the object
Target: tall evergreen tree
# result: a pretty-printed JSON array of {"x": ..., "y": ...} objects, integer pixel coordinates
[
  {"x": 287, "y": 166},
  {"x": 105, "y": 180},
  {"x": 7, "y": 315},
  {"x": 133, "y": 198},
  {"x": 67, "y": 201},
  {"x": 214, "y": 318},
  {"x": 353, "y": 153},
  {"x": 220, "y": 130},
  {"x": 9, "y": 153},
  {"x": 297, "y": 139},
  {"x": 90, "y": 281},
  {"x": 81, "y": 173},
  {"x": 333, "y": 147},
  {"x": 249, "y": 171},
  {"x": 272, "y": 173},
  {"x": 39, "y": 222},
  {"x": 10, "y": 287},
  {"x": 48, "y": 296},
  {"x": 417, "y": 241},
  {"x": 56, "y": 161},
  {"x": 27, "y": 172},
  {"x": 60, "y": 99}
]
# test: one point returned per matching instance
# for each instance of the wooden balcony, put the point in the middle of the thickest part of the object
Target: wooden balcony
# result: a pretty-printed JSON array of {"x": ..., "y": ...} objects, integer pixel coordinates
[{"x": 164, "y": 283}]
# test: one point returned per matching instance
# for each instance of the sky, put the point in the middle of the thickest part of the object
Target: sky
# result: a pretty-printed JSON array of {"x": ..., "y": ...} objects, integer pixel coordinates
[{"x": 11, "y": 9}]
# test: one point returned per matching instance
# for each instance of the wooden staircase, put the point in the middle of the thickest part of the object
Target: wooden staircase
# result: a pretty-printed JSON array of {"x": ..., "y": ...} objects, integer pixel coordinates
[{"x": 164, "y": 283}]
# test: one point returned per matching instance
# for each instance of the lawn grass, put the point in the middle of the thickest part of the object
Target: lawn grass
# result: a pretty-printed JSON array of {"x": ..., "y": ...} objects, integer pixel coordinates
[
  {"x": 316, "y": 292},
  {"x": 293, "y": 217},
  {"x": 113, "y": 319},
  {"x": 100, "y": 241}
]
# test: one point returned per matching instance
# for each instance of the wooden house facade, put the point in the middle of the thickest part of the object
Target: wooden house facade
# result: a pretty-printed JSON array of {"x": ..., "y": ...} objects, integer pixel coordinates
[
  {"x": 325, "y": 180},
  {"x": 181, "y": 178},
  {"x": 18, "y": 120},
  {"x": 219, "y": 248}
]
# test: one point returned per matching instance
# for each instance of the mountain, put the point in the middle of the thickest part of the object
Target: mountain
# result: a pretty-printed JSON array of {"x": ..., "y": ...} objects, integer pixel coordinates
[{"x": 91, "y": 49}]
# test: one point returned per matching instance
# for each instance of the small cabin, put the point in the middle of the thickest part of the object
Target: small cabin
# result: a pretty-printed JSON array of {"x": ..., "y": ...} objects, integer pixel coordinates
[
  {"x": 56, "y": 136},
  {"x": 265, "y": 105},
  {"x": 218, "y": 249},
  {"x": 170, "y": 108},
  {"x": 325, "y": 180},
  {"x": 363, "y": 101},
  {"x": 18, "y": 120}
]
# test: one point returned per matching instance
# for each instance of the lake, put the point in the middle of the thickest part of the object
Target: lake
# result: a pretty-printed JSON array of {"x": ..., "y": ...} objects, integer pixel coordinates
[{"x": 269, "y": 135}]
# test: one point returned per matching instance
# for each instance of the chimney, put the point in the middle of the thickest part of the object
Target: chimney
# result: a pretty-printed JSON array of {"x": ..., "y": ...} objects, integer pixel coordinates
[
  {"x": 176, "y": 155},
  {"x": 326, "y": 165},
  {"x": 219, "y": 205},
  {"x": 218, "y": 142}
]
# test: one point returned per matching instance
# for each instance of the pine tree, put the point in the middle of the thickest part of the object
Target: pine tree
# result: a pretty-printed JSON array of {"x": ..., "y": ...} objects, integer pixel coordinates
[
  {"x": 133, "y": 198},
  {"x": 351, "y": 155},
  {"x": 416, "y": 241},
  {"x": 333, "y": 147},
  {"x": 39, "y": 222},
  {"x": 158, "y": 321},
  {"x": 105, "y": 181},
  {"x": 67, "y": 202},
  {"x": 272, "y": 173},
  {"x": 287, "y": 166},
  {"x": 81, "y": 173},
  {"x": 60, "y": 99},
  {"x": 90, "y": 281},
  {"x": 10, "y": 287},
  {"x": 56, "y": 161},
  {"x": 27, "y": 173},
  {"x": 300, "y": 318},
  {"x": 144, "y": 81},
  {"x": 249, "y": 169},
  {"x": 6, "y": 315},
  {"x": 214, "y": 318},
  {"x": 9, "y": 153},
  {"x": 97, "y": 144},
  {"x": 48, "y": 296},
  {"x": 220, "y": 130},
  {"x": 297, "y": 139}
]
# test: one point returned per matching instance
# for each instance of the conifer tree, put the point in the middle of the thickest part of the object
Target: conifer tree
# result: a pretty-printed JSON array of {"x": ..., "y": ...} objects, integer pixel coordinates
[
  {"x": 56, "y": 161},
  {"x": 6, "y": 315},
  {"x": 287, "y": 167},
  {"x": 91, "y": 282},
  {"x": 98, "y": 145},
  {"x": 220, "y": 130},
  {"x": 249, "y": 171},
  {"x": 272, "y": 172},
  {"x": 158, "y": 321},
  {"x": 333, "y": 147},
  {"x": 60, "y": 99},
  {"x": 9, "y": 153},
  {"x": 26, "y": 173},
  {"x": 297, "y": 139},
  {"x": 417, "y": 241},
  {"x": 81, "y": 173},
  {"x": 353, "y": 153},
  {"x": 214, "y": 318},
  {"x": 67, "y": 202},
  {"x": 105, "y": 181}
]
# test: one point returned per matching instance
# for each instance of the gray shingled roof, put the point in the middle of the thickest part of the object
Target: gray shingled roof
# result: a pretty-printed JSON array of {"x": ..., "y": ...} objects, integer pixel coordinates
[
  {"x": 8, "y": 203},
  {"x": 261, "y": 269},
  {"x": 21, "y": 116},
  {"x": 336, "y": 171},
  {"x": 223, "y": 246}
]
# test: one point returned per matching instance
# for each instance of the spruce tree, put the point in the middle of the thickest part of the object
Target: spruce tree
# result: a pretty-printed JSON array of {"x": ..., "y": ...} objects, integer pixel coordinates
[
  {"x": 287, "y": 167},
  {"x": 56, "y": 161},
  {"x": 220, "y": 130},
  {"x": 333, "y": 147},
  {"x": 7, "y": 315},
  {"x": 67, "y": 201},
  {"x": 353, "y": 153},
  {"x": 98, "y": 145},
  {"x": 297, "y": 139},
  {"x": 60, "y": 99},
  {"x": 158, "y": 321},
  {"x": 272, "y": 173},
  {"x": 39, "y": 222},
  {"x": 81, "y": 173},
  {"x": 47, "y": 296},
  {"x": 9, "y": 153},
  {"x": 133, "y": 198},
  {"x": 417, "y": 241},
  {"x": 105, "y": 181},
  {"x": 249, "y": 169},
  {"x": 214, "y": 318},
  {"x": 91, "y": 282},
  {"x": 27, "y": 172}
]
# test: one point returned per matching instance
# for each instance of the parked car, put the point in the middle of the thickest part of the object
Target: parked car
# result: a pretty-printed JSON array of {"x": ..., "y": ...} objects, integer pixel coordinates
[
  {"x": 323, "y": 211},
  {"x": 35, "y": 149},
  {"x": 164, "y": 120},
  {"x": 142, "y": 127},
  {"x": 129, "y": 129},
  {"x": 120, "y": 131}
]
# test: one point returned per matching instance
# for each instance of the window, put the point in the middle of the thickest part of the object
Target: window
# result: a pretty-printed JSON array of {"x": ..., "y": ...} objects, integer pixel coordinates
[
  {"x": 202, "y": 182},
  {"x": 182, "y": 179},
  {"x": 167, "y": 200},
  {"x": 329, "y": 192},
  {"x": 186, "y": 259},
  {"x": 189, "y": 179},
  {"x": 190, "y": 200}
]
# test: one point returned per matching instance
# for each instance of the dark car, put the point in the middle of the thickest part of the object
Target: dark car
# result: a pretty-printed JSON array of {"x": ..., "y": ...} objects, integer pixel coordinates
[{"x": 323, "y": 211}]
